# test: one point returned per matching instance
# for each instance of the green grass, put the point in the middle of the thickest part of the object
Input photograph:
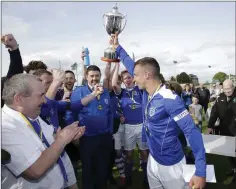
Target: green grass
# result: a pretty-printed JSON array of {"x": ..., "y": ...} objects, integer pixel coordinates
[{"x": 221, "y": 165}]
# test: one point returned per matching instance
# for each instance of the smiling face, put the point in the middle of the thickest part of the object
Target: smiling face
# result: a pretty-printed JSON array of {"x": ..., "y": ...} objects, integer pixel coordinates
[
  {"x": 93, "y": 77},
  {"x": 69, "y": 81},
  {"x": 32, "y": 103},
  {"x": 127, "y": 80},
  {"x": 228, "y": 87}
]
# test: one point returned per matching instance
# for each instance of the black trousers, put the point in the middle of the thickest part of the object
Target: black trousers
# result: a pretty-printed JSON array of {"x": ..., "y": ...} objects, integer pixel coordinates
[
  {"x": 204, "y": 106},
  {"x": 232, "y": 161},
  {"x": 116, "y": 124},
  {"x": 95, "y": 154}
]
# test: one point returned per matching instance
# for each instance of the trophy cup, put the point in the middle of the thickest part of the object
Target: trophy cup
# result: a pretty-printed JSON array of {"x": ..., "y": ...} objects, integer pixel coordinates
[{"x": 114, "y": 22}]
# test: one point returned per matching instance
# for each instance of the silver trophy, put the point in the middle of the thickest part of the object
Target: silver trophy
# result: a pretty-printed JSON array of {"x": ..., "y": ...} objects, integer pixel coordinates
[{"x": 114, "y": 22}]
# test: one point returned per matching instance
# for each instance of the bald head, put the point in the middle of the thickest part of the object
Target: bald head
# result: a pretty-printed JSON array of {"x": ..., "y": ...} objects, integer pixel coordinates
[
  {"x": 228, "y": 87},
  {"x": 228, "y": 83}
]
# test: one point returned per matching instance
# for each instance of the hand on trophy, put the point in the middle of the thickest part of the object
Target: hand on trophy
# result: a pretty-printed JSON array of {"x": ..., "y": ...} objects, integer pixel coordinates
[
  {"x": 9, "y": 42},
  {"x": 114, "y": 40}
]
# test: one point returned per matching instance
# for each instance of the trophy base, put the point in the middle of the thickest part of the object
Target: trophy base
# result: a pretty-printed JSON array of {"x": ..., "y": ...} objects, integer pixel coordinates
[{"x": 110, "y": 60}]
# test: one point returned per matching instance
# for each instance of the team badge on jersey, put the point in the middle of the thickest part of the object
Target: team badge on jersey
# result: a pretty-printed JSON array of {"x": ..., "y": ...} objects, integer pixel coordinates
[
  {"x": 52, "y": 111},
  {"x": 106, "y": 101},
  {"x": 152, "y": 111}
]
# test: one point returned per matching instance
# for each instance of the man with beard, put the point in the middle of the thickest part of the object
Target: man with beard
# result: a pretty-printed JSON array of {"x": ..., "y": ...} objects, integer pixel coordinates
[
  {"x": 96, "y": 145},
  {"x": 69, "y": 82},
  {"x": 38, "y": 159},
  {"x": 65, "y": 116},
  {"x": 225, "y": 109}
]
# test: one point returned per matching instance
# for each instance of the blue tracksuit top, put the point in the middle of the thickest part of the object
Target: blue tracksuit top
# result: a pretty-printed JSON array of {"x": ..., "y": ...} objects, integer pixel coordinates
[
  {"x": 187, "y": 98},
  {"x": 50, "y": 110},
  {"x": 162, "y": 115},
  {"x": 97, "y": 121}
]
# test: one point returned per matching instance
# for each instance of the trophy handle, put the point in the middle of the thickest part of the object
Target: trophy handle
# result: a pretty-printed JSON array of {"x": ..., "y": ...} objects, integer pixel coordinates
[
  {"x": 124, "y": 24},
  {"x": 103, "y": 20}
]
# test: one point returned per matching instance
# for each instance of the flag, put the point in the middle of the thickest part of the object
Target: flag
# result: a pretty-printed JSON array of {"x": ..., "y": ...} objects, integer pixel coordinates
[{"x": 74, "y": 66}]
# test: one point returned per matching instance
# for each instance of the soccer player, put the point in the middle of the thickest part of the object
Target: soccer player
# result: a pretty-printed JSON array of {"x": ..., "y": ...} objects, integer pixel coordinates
[{"x": 163, "y": 113}]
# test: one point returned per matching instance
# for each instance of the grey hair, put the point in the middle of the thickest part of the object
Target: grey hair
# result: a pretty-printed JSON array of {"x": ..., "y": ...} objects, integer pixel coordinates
[{"x": 17, "y": 84}]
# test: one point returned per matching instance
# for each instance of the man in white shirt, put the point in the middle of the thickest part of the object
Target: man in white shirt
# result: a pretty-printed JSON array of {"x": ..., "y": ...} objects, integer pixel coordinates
[{"x": 38, "y": 159}]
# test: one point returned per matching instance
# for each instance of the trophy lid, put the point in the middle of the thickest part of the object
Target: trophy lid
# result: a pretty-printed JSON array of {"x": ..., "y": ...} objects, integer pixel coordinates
[{"x": 115, "y": 12}]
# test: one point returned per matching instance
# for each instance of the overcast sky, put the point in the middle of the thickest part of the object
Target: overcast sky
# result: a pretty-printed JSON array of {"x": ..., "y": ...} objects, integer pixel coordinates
[{"x": 196, "y": 34}]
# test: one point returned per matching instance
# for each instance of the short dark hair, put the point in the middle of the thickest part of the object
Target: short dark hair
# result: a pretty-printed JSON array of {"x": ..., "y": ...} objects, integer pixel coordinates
[
  {"x": 69, "y": 71},
  {"x": 175, "y": 86},
  {"x": 40, "y": 72},
  {"x": 150, "y": 62},
  {"x": 93, "y": 68},
  {"x": 35, "y": 65}
]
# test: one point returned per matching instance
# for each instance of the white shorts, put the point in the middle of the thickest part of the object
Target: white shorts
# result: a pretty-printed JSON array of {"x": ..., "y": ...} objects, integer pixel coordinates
[
  {"x": 69, "y": 171},
  {"x": 165, "y": 177},
  {"x": 119, "y": 137},
  {"x": 133, "y": 136}
]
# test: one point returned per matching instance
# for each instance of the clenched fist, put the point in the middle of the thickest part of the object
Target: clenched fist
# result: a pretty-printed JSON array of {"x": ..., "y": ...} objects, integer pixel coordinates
[
  {"x": 98, "y": 89},
  {"x": 9, "y": 42}
]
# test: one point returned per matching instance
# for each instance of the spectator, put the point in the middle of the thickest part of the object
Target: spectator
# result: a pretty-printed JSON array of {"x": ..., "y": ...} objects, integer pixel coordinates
[
  {"x": 225, "y": 110},
  {"x": 204, "y": 96},
  {"x": 187, "y": 96},
  {"x": 197, "y": 110},
  {"x": 192, "y": 88}
]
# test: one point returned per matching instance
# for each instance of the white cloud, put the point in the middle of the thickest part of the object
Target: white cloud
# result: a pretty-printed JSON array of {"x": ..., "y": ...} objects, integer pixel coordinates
[
  {"x": 194, "y": 48},
  {"x": 11, "y": 24}
]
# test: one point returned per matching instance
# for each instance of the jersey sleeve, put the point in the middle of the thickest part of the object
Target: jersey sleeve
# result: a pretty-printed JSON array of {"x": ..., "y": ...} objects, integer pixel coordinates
[{"x": 176, "y": 109}]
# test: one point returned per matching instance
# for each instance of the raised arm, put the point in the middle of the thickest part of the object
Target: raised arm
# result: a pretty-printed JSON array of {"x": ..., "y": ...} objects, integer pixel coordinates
[
  {"x": 58, "y": 78},
  {"x": 106, "y": 78},
  {"x": 116, "y": 87},
  {"x": 16, "y": 66},
  {"x": 124, "y": 57}
]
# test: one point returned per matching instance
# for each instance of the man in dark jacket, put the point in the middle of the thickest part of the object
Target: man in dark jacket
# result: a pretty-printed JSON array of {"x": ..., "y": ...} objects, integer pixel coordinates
[
  {"x": 16, "y": 66},
  {"x": 225, "y": 110},
  {"x": 204, "y": 96}
]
